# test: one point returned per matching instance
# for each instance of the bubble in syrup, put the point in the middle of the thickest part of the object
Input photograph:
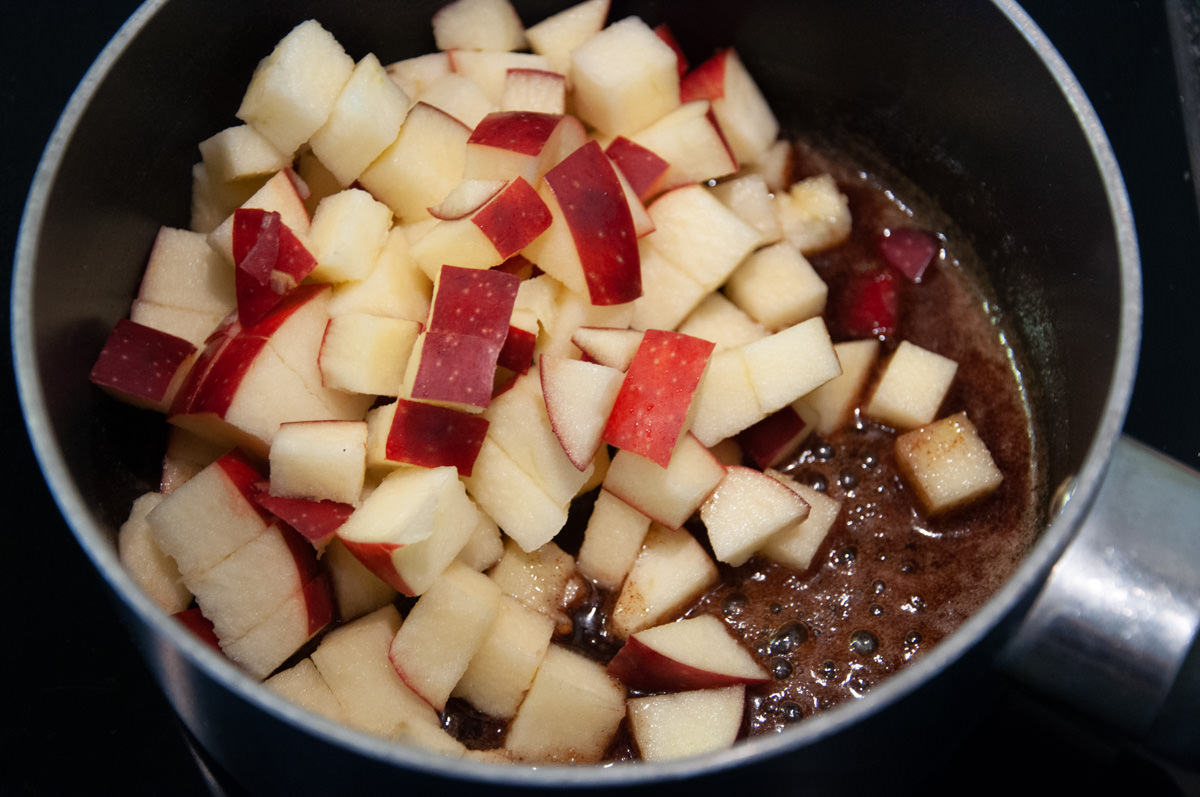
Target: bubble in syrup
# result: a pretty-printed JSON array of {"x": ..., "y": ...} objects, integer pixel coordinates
[
  {"x": 788, "y": 636},
  {"x": 864, "y": 643},
  {"x": 734, "y": 603},
  {"x": 791, "y": 711},
  {"x": 878, "y": 587},
  {"x": 915, "y": 604},
  {"x": 818, "y": 482},
  {"x": 775, "y": 608},
  {"x": 848, "y": 480},
  {"x": 824, "y": 452},
  {"x": 875, "y": 609},
  {"x": 844, "y": 557},
  {"x": 781, "y": 668},
  {"x": 870, "y": 461},
  {"x": 912, "y": 639},
  {"x": 908, "y": 567},
  {"x": 828, "y": 670}
]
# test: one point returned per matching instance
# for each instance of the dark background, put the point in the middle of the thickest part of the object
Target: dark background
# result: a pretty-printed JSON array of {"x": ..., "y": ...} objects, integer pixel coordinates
[{"x": 82, "y": 715}]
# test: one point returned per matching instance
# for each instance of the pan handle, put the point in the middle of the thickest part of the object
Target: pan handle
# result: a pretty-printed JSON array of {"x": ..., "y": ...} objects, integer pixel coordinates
[{"x": 1114, "y": 631}]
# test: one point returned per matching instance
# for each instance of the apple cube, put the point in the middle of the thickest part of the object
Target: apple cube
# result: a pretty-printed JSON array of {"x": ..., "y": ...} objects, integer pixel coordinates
[
  {"x": 478, "y": 25},
  {"x": 776, "y": 166},
  {"x": 836, "y": 400},
  {"x": 303, "y": 684},
  {"x": 797, "y": 544},
  {"x": 579, "y": 398},
  {"x": 348, "y": 232},
  {"x": 947, "y": 463},
  {"x": 431, "y": 436},
  {"x": 364, "y": 120},
  {"x": 669, "y": 293},
  {"x": 539, "y": 579},
  {"x": 142, "y": 366},
  {"x": 609, "y": 346},
  {"x": 910, "y": 251},
  {"x": 414, "y": 74},
  {"x": 813, "y": 214},
  {"x": 356, "y": 590},
  {"x": 690, "y": 140},
  {"x": 153, "y": 570},
  {"x": 685, "y": 724},
  {"x": 777, "y": 287},
  {"x": 241, "y": 152},
  {"x": 612, "y": 540},
  {"x": 319, "y": 459},
  {"x": 642, "y": 167},
  {"x": 411, "y": 527},
  {"x": 277, "y": 638},
  {"x": 912, "y": 387},
  {"x": 624, "y": 78},
  {"x": 187, "y": 454},
  {"x": 726, "y": 401},
  {"x": 294, "y": 89},
  {"x": 213, "y": 200},
  {"x": 694, "y": 653},
  {"x": 367, "y": 354},
  {"x": 284, "y": 193},
  {"x": 558, "y": 35},
  {"x": 353, "y": 659},
  {"x": 868, "y": 304},
  {"x": 671, "y": 571},
  {"x": 791, "y": 363},
  {"x": 570, "y": 714},
  {"x": 697, "y": 233},
  {"x": 452, "y": 369},
  {"x": 591, "y": 245},
  {"x": 422, "y": 165},
  {"x": 513, "y": 498},
  {"x": 314, "y": 519},
  {"x": 745, "y": 510},
  {"x": 395, "y": 287},
  {"x": 744, "y": 115},
  {"x": 668, "y": 495},
  {"x": 210, "y": 516},
  {"x": 485, "y": 547},
  {"x": 521, "y": 143},
  {"x": 750, "y": 198},
  {"x": 773, "y": 439},
  {"x": 269, "y": 262},
  {"x": 442, "y": 632},
  {"x": 651, "y": 409},
  {"x": 721, "y": 321},
  {"x": 503, "y": 667},
  {"x": 488, "y": 69},
  {"x": 537, "y": 90}
]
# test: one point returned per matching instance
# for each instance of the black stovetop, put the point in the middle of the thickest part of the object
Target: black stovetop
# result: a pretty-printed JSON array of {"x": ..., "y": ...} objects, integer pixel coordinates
[{"x": 83, "y": 716}]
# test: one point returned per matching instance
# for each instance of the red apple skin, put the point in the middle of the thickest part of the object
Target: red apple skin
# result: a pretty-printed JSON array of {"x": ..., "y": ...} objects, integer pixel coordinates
[
  {"x": 477, "y": 302},
  {"x": 910, "y": 251},
  {"x": 767, "y": 442},
  {"x": 706, "y": 81},
  {"x": 642, "y": 167},
  {"x": 139, "y": 364},
  {"x": 245, "y": 477},
  {"x": 201, "y": 626},
  {"x": 377, "y": 557},
  {"x": 653, "y": 402},
  {"x": 517, "y": 353},
  {"x": 868, "y": 305},
  {"x": 315, "y": 520},
  {"x": 431, "y": 436},
  {"x": 587, "y": 188},
  {"x": 318, "y": 600},
  {"x": 664, "y": 32},
  {"x": 525, "y": 132},
  {"x": 270, "y": 261},
  {"x": 456, "y": 368},
  {"x": 643, "y": 668},
  {"x": 519, "y": 266},
  {"x": 513, "y": 218}
]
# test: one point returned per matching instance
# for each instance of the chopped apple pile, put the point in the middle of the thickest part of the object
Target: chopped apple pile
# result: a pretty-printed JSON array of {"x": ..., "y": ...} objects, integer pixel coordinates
[{"x": 422, "y": 309}]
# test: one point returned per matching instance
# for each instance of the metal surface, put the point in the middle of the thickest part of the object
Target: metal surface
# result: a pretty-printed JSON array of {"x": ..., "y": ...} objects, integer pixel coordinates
[{"x": 114, "y": 171}]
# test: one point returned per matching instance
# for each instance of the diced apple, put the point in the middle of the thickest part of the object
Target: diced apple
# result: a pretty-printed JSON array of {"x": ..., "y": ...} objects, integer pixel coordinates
[
  {"x": 269, "y": 262},
  {"x": 478, "y": 25},
  {"x": 430, "y": 436},
  {"x": 488, "y": 69},
  {"x": 721, "y": 321},
  {"x": 414, "y": 74},
  {"x": 142, "y": 366},
  {"x": 513, "y": 498},
  {"x": 643, "y": 168},
  {"x": 697, "y": 233},
  {"x": 684, "y": 724},
  {"x": 947, "y": 463},
  {"x": 813, "y": 214},
  {"x": 690, "y": 140},
  {"x": 579, "y": 397},
  {"x": 608, "y": 345},
  {"x": 912, "y": 387},
  {"x": 294, "y": 89},
  {"x": 442, "y": 632},
  {"x": 319, "y": 459},
  {"x": 835, "y": 400},
  {"x": 303, "y": 684},
  {"x": 364, "y": 120},
  {"x": 668, "y": 495},
  {"x": 868, "y": 305},
  {"x": 745, "y": 510},
  {"x": 241, "y": 152},
  {"x": 612, "y": 540},
  {"x": 422, "y": 165},
  {"x": 624, "y": 78},
  {"x": 558, "y": 35},
  {"x": 537, "y": 90},
  {"x": 726, "y": 401},
  {"x": 571, "y": 713},
  {"x": 314, "y": 519},
  {"x": 485, "y": 547},
  {"x": 745, "y": 117},
  {"x": 502, "y": 669},
  {"x": 651, "y": 408},
  {"x": 671, "y": 571},
  {"x": 277, "y": 638},
  {"x": 507, "y": 144},
  {"x": 909, "y": 250},
  {"x": 695, "y": 653},
  {"x": 538, "y": 579},
  {"x": 213, "y": 200},
  {"x": 191, "y": 325},
  {"x": 395, "y": 287},
  {"x": 367, "y": 354},
  {"x": 777, "y": 287},
  {"x": 749, "y": 197},
  {"x": 187, "y": 454},
  {"x": 348, "y": 232},
  {"x": 796, "y": 545},
  {"x": 154, "y": 571},
  {"x": 773, "y": 439},
  {"x": 669, "y": 293},
  {"x": 790, "y": 363},
  {"x": 411, "y": 527},
  {"x": 284, "y": 193},
  {"x": 353, "y": 659},
  {"x": 356, "y": 590}
]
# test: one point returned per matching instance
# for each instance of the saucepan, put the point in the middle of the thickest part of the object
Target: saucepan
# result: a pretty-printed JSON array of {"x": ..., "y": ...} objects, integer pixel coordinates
[{"x": 968, "y": 99}]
